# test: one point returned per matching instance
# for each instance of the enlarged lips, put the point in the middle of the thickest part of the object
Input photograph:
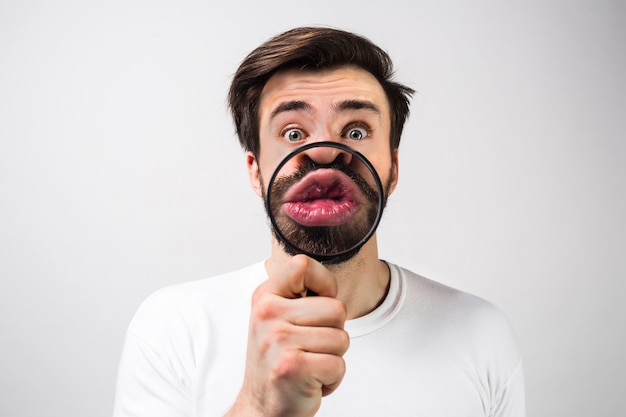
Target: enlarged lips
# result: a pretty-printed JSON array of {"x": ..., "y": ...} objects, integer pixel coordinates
[{"x": 324, "y": 197}]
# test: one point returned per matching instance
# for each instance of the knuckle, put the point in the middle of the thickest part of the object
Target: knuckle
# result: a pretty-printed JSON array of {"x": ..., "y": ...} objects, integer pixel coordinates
[
  {"x": 340, "y": 366},
  {"x": 335, "y": 371},
  {"x": 272, "y": 339},
  {"x": 263, "y": 309},
  {"x": 337, "y": 312},
  {"x": 277, "y": 336},
  {"x": 287, "y": 366},
  {"x": 340, "y": 310},
  {"x": 344, "y": 341},
  {"x": 298, "y": 265},
  {"x": 258, "y": 294},
  {"x": 301, "y": 261}
]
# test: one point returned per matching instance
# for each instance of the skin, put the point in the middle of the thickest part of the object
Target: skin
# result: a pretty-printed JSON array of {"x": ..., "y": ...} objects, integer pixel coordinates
[{"x": 296, "y": 343}]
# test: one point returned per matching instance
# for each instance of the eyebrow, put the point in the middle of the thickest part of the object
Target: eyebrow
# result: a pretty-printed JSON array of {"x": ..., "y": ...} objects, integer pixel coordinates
[
  {"x": 291, "y": 106},
  {"x": 357, "y": 105},
  {"x": 339, "y": 107}
]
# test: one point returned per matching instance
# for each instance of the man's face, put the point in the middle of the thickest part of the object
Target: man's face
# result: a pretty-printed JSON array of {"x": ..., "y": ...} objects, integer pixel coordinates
[{"x": 345, "y": 105}]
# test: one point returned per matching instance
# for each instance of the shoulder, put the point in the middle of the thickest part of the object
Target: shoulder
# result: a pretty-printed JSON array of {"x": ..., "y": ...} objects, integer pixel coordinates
[
  {"x": 444, "y": 300},
  {"x": 178, "y": 333},
  {"x": 470, "y": 329},
  {"x": 191, "y": 305},
  {"x": 212, "y": 288},
  {"x": 459, "y": 316}
]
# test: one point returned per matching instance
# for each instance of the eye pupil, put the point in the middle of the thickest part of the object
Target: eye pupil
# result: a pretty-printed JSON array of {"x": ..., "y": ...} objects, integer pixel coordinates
[
  {"x": 294, "y": 135},
  {"x": 356, "y": 134}
]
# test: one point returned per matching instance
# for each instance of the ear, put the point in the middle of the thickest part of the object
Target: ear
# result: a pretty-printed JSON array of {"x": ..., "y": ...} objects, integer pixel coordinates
[
  {"x": 394, "y": 171},
  {"x": 254, "y": 175}
]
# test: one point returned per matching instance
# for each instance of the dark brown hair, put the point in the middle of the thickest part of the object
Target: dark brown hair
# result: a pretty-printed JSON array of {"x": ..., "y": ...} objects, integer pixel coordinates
[{"x": 310, "y": 48}]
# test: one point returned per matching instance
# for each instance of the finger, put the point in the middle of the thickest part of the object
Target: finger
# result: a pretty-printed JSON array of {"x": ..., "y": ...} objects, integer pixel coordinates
[
  {"x": 317, "y": 312},
  {"x": 300, "y": 274},
  {"x": 279, "y": 335},
  {"x": 323, "y": 340},
  {"x": 327, "y": 370}
]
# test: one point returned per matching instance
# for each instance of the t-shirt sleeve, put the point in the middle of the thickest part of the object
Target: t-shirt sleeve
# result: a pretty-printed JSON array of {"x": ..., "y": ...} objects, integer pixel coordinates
[
  {"x": 512, "y": 401},
  {"x": 147, "y": 384},
  {"x": 498, "y": 358},
  {"x": 152, "y": 377},
  {"x": 505, "y": 364}
]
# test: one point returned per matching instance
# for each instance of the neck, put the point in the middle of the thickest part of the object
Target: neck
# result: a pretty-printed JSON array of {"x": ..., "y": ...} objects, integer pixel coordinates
[{"x": 363, "y": 280}]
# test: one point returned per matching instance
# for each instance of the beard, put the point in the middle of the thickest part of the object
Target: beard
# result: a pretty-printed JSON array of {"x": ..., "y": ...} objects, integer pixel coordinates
[{"x": 331, "y": 244}]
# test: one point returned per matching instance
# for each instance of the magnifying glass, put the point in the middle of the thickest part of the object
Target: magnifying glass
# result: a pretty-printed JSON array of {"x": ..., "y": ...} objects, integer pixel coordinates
[{"x": 326, "y": 211}]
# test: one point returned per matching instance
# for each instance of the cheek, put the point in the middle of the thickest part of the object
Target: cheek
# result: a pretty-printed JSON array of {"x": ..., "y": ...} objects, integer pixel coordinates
[
  {"x": 266, "y": 171},
  {"x": 271, "y": 147},
  {"x": 270, "y": 156},
  {"x": 383, "y": 166}
]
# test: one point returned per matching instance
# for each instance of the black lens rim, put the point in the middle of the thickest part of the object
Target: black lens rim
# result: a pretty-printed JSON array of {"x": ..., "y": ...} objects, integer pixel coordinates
[{"x": 354, "y": 153}]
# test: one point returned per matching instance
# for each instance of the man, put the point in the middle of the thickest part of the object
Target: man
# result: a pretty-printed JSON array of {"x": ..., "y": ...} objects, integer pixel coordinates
[{"x": 376, "y": 340}]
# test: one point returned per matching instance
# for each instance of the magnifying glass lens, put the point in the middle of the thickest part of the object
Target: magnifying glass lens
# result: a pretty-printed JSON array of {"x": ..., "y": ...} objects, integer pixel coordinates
[{"x": 327, "y": 211}]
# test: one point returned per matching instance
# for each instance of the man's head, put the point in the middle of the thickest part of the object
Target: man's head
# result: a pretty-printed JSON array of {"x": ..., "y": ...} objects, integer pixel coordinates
[
  {"x": 312, "y": 49},
  {"x": 318, "y": 85}
]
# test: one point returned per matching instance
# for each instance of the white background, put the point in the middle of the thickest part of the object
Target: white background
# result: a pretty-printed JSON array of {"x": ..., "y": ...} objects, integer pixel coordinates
[{"x": 120, "y": 174}]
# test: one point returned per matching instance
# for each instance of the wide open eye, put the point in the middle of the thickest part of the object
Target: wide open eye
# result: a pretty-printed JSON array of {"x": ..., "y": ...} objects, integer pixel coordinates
[
  {"x": 356, "y": 133},
  {"x": 294, "y": 135}
]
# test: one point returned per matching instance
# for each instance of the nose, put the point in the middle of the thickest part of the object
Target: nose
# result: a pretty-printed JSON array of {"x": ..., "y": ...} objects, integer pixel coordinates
[{"x": 325, "y": 154}]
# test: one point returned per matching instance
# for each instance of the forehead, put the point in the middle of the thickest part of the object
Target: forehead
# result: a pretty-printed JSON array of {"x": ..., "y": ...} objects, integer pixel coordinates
[{"x": 321, "y": 88}]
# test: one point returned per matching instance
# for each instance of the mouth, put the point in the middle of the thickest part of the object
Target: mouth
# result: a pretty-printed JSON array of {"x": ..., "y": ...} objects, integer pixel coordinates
[{"x": 324, "y": 197}]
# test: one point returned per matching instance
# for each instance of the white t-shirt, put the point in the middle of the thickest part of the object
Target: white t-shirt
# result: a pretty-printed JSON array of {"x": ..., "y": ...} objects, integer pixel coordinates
[{"x": 427, "y": 350}]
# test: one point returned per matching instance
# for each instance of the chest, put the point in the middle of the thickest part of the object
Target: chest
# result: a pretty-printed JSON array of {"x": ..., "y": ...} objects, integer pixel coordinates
[{"x": 385, "y": 378}]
